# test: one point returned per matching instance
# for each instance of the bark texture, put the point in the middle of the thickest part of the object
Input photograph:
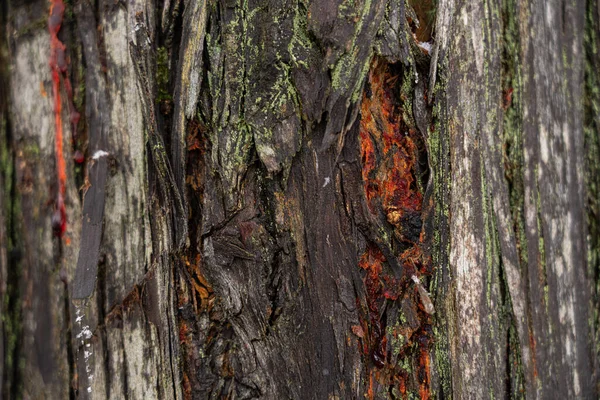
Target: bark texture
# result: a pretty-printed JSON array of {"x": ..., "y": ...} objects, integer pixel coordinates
[{"x": 299, "y": 199}]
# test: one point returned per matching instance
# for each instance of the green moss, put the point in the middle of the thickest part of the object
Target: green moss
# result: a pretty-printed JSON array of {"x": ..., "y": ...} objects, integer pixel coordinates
[
  {"x": 443, "y": 366},
  {"x": 404, "y": 364},
  {"x": 361, "y": 78},
  {"x": 517, "y": 377},
  {"x": 31, "y": 150},
  {"x": 347, "y": 9},
  {"x": 283, "y": 92},
  {"x": 512, "y": 125},
  {"x": 233, "y": 58},
  {"x": 69, "y": 16},
  {"x": 346, "y": 65},
  {"x": 33, "y": 27},
  {"x": 10, "y": 304},
  {"x": 592, "y": 155},
  {"x": 396, "y": 341},
  {"x": 490, "y": 234},
  {"x": 342, "y": 70},
  {"x": 300, "y": 44},
  {"x": 439, "y": 157},
  {"x": 512, "y": 147},
  {"x": 162, "y": 74},
  {"x": 407, "y": 90}
]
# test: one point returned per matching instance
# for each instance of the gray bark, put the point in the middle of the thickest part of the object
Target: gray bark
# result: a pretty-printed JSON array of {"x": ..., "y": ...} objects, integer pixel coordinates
[{"x": 270, "y": 188}]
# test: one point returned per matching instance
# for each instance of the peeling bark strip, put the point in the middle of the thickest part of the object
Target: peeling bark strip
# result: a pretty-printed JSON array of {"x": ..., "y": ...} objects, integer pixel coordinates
[
  {"x": 273, "y": 188},
  {"x": 187, "y": 91},
  {"x": 95, "y": 185},
  {"x": 141, "y": 52}
]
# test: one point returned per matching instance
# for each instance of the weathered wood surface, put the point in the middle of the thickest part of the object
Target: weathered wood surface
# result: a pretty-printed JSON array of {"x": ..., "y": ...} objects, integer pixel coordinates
[
  {"x": 280, "y": 179},
  {"x": 544, "y": 261}
]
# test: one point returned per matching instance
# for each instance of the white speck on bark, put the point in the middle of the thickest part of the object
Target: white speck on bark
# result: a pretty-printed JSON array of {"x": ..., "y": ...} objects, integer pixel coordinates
[
  {"x": 85, "y": 334},
  {"x": 98, "y": 154},
  {"x": 427, "y": 46},
  {"x": 425, "y": 298}
]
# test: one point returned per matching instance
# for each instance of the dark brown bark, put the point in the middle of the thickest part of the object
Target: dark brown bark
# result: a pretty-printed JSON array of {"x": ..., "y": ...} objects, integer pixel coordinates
[{"x": 300, "y": 199}]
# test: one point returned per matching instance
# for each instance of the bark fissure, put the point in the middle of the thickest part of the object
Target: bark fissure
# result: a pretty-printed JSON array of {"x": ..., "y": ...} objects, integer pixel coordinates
[
  {"x": 300, "y": 199},
  {"x": 11, "y": 272},
  {"x": 592, "y": 173}
]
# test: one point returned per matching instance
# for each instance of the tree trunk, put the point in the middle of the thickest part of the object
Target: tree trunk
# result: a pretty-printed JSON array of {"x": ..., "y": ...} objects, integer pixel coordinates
[{"x": 303, "y": 199}]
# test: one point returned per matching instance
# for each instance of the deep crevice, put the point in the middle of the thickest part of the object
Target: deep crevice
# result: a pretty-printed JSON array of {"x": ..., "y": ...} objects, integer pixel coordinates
[
  {"x": 69, "y": 340},
  {"x": 273, "y": 286},
  {"x": 395, "y": 172},
  {"x": 11, "y": 302}
]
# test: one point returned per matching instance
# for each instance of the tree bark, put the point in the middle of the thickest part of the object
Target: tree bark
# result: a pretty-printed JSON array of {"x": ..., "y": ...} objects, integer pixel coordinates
[{"x": 299, "y": 199}]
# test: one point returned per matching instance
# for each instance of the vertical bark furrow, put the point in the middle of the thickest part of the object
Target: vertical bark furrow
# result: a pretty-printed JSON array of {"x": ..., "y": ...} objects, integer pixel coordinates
[
  {"x": 45, "y": 261},
  {"x": 592, "y": 171},
  {"x": 547, "y": 187},
  {"x": 473, "y": 252},
  {"x": 554, "y": 153},
  {"x": 512, "y": 167},
  {"x": 186, "y": 93},
  {"x": 270, "y": 187}
]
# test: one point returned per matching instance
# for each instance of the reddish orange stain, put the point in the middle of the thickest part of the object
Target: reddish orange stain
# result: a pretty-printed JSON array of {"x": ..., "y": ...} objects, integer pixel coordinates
[
  {"x": 389, "y": 156},
  {"x": 370, "y": 392},
  {"x": 533, "y": 358},
  {"x": 402, "y": 385},
  {"x": 183, "y": 333},
  {"x": 507, "y": 98},
  {"x": 388, "y": 152},
  {"x": 43, "y": 90},
  {"x": 372, "y": 261},
  {"x": 426, "y": 374},
  {"x": 58, "y": 66}
]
